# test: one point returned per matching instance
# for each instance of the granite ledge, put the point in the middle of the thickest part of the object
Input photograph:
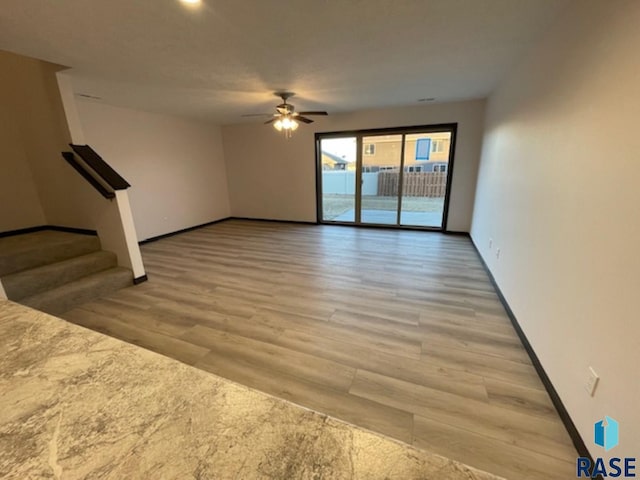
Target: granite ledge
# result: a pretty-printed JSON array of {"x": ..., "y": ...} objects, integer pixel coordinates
[{"x": 78, "y": 404}]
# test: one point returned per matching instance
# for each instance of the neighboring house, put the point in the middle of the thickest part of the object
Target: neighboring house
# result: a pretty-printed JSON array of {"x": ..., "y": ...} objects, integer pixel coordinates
[
  {"x": 427, "y": 167},
  {"x": 422, "y": 152},
  {"x": 334, "y": 162}
]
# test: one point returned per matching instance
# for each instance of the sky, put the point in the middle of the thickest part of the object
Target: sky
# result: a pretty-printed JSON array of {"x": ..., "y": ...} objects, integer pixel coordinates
[{"x": 342, "y": 147}]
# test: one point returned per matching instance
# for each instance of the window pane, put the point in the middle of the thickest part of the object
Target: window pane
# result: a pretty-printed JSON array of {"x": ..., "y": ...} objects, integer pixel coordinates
[
  {"x": 380, "y": 188},
  {"x": 424, "y": 188},
  {"x": 423, "y": 148},
  {"x": 338, "y": 179}
]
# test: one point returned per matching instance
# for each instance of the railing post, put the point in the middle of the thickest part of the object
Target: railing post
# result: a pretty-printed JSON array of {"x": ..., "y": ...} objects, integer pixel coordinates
[{"x": 130, "y": 235}]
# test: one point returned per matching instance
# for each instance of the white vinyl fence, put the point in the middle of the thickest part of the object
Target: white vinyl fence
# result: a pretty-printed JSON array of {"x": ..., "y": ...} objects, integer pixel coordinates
[{"x": 344, "y": 182}]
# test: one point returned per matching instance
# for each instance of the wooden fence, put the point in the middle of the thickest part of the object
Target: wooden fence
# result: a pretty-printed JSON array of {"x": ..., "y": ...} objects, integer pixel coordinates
[{"x": 415, "y": 184}]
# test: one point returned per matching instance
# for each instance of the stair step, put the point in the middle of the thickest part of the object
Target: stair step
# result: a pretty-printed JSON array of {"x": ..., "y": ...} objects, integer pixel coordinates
[
  {"x": 31, "y": 250},
  {"x": 85, "y": 289},
  {"x": 30, "y": 282}
]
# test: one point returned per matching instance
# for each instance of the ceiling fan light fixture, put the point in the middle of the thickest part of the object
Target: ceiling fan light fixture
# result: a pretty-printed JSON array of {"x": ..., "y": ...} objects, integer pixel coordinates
[
  {"x": 286, "y": 123},
  {"x": 286, "y": 119}
]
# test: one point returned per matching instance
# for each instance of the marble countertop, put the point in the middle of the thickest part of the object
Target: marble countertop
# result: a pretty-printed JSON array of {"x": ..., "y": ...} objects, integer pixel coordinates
[{"x": 78, "y": 404}]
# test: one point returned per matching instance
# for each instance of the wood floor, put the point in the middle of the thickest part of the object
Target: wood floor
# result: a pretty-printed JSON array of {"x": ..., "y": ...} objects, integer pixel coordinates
[{"x": 400, "y": 332}]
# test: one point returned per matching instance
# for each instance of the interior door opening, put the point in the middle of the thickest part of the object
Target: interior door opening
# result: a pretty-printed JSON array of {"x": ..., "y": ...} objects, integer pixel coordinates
[{"x": 397, "y": 177}]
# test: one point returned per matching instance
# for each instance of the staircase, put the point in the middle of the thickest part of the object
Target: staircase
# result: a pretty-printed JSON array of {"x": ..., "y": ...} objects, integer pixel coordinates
[{"x": 55, "y": 271}]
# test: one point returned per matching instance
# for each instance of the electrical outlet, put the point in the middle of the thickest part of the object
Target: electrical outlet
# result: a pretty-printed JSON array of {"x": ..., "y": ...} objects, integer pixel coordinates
[
  {"x": 592, "y": 382},
  {"x": 498, "y": 253},
  {"x": 490, "y": 243}
]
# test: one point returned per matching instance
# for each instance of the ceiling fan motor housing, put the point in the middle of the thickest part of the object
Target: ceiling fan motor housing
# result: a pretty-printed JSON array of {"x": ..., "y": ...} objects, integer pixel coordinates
[{"x": 285, "y": 109}]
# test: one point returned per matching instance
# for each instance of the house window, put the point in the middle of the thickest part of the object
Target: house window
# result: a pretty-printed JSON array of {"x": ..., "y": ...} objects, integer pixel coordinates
[
  {"x": 437, "y": 146},
  {"x": 369, "y": 149},
  {"x": 423, "y": 148},
  {"x": 439, "y": 168}
]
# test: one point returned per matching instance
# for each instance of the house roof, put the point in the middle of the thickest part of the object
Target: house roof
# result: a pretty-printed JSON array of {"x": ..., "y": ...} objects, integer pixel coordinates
[{"x": 333, "y": 157}]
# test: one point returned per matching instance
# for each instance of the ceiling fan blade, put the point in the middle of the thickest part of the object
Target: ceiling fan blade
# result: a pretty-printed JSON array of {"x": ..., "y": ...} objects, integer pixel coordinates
[
  {"x": 256, "y": 115},
  {"x": 313, "y": 113},
  {"x": 303, "y": 119},
  {"x": 271, "y": 120}
]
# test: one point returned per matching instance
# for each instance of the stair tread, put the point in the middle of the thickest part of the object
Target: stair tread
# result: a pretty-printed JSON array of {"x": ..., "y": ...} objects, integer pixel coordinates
[
  {"x": 30, "y": 250},
  {"x": 19, "y": 243},
  {"x": 35, "y": 280},
  {"x": 63, "y": 298}
]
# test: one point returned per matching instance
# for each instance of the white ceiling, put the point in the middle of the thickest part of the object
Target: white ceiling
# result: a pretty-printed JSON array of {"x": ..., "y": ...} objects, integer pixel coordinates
[{"x": 226, "y": 57}]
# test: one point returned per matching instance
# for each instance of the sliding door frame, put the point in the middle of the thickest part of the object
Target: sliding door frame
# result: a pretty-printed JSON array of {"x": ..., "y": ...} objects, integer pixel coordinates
[
  {"x": 401, "y": 179},
  {"x": 358, "y": 194},
  {"x": 358, "y": 134}
]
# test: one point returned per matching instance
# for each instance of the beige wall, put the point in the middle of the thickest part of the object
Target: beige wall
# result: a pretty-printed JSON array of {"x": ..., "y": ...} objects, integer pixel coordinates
[
  {"x": 20, "y": 204},
  {"x": 66, "y": 198},
  {"x": 273, "y": 177},
  {"x": 565, "y": 212},
  {"x": 32, "y": 133},
  {"x": 38, "y": 186},
  {"x": 41, "y": 133},
  {"x": 175, "y": 166}
]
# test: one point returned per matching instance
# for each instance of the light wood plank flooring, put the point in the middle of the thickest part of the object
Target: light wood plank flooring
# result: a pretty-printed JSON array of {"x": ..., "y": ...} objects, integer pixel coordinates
[{"x": 400, "y": 332}]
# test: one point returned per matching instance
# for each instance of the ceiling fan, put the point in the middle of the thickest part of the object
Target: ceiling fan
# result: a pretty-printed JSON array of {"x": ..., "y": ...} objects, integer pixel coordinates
[{"x": 286, "y": 118}]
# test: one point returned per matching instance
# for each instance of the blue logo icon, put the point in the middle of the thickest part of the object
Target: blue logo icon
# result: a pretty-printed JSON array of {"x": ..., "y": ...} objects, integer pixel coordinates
[{"x": 606, "y": 433}]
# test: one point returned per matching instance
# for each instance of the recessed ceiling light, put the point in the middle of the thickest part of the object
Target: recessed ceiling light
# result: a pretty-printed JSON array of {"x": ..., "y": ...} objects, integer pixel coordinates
[{"x": 191, "y": 2}]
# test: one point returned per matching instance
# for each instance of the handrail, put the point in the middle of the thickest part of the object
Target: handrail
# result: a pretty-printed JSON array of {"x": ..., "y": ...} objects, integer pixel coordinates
[
  {"x": 70, "y": 158},
  {"x": 100, "y": 167}
]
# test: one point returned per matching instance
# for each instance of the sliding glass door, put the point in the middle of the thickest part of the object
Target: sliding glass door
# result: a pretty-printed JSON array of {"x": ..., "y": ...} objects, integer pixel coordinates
[
  {"x": 425, "y": 175},
  {"x": 392, "y": 177},
  {"x": 380, "y": 171},
  {"x": 337, "y": 172}
]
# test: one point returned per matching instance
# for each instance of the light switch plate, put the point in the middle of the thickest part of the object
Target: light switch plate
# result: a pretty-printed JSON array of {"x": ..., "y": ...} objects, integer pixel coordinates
[{"x": 592, "y": 382}]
